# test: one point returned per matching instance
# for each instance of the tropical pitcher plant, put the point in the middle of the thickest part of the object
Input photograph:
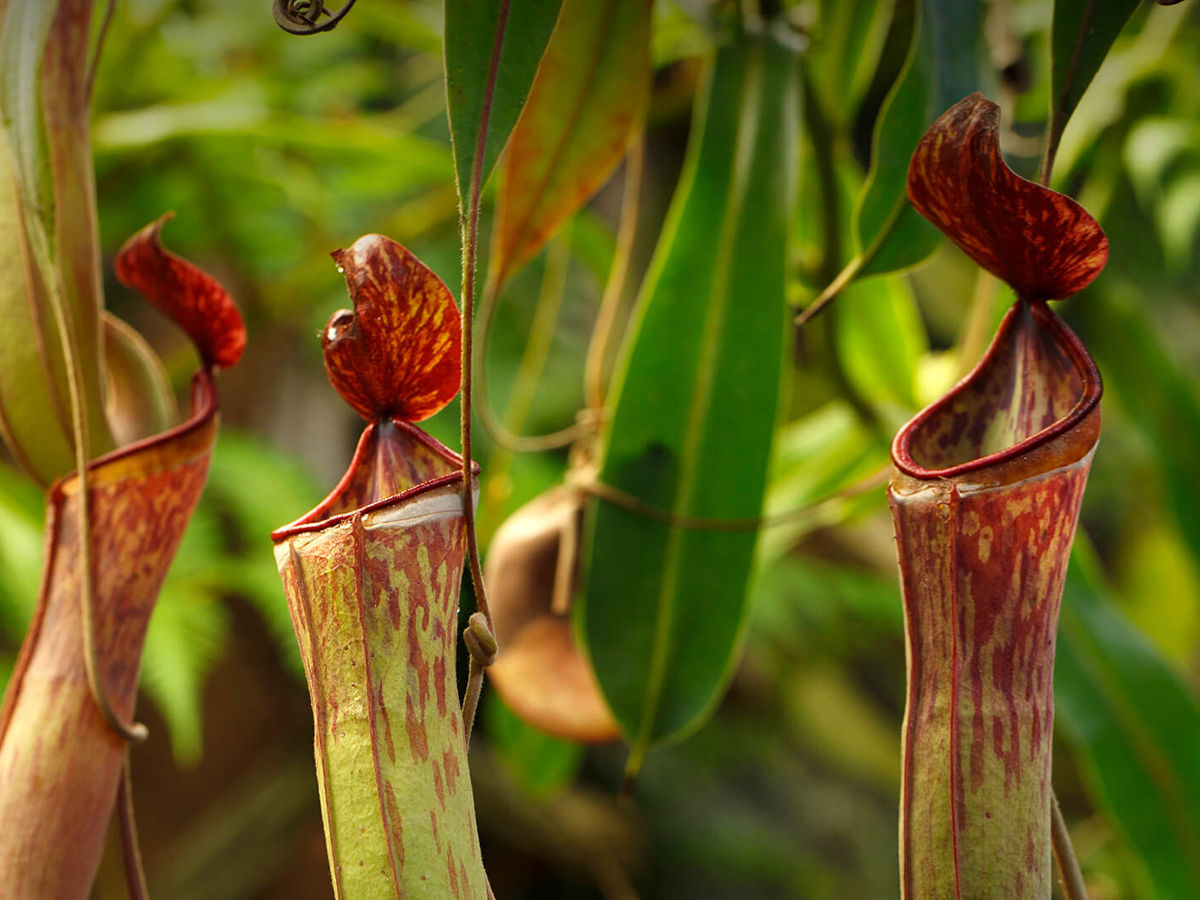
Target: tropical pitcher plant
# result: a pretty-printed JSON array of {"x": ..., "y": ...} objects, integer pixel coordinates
[
  {"x": 985, "y": 498},
  {"x": 372, "y": 577},
  {"x": 82, "y": 391}
]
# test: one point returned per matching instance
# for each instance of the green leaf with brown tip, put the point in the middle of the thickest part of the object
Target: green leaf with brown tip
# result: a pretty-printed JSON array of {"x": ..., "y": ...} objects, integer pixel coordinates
[{"x": 586, "y": 103}]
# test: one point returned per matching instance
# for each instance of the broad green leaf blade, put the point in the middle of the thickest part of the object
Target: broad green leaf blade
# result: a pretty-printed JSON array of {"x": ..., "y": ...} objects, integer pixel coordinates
[
  {"x": 1135, "y": 729},
  {"x": 1083, "y": 31},
  {"x": 694, "y": 407},
  {"x": 941, "y": 69},
  {"x": 586, "y": 103},
  {"x": 492, "y": 49}
]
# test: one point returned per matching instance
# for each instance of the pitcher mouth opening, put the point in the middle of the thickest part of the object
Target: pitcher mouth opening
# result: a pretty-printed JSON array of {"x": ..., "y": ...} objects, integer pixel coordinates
[
  {"x": 1035, "y": 383},
  {"x": 416, "y": 464}
]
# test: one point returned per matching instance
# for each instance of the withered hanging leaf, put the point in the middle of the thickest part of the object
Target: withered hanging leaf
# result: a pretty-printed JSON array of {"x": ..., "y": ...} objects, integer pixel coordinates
[
  {"x": 397, "y": 355},
  {"x": 541, "y": 672},
  {"x": 1043, "y": 243}
]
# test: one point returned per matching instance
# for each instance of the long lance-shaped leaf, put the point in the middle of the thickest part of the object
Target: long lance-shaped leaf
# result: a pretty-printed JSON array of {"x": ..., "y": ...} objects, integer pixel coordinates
[
  {"x": 694, "y": 406},
  {"x": 50, "y": 248},
  {"x": 985, "y": 501},
  {"x": 59, "y": 756},
  {"x": 492, "y": 49},
  {"x": 1135, "y": 728},
  {"x": 1082, "y": 32},
  {"x": 372, "y": 578},
  {"x": 586, "y": 103}
]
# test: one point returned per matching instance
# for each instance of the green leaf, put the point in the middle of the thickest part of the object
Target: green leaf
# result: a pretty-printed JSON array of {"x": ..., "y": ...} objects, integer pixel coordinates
[
  {"x": 492, "y": 49},
  {"x": 1135, "y": 729},
  {"x": 587, "y": 101},
  {"x": 845, "y": 54},
  {"x": 941, "y": 69},
  {"x": 1160, "y": 398},
  {"x": 1082, "y": 33},
  {"x": 694, "y": 406},
  {"x": 880, "y": 341}
]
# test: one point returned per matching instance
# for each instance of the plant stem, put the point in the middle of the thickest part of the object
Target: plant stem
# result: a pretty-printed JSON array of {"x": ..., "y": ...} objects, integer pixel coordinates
[
  {"x": 470, "y": 241},
  {"x": 1064, "y": 854}
]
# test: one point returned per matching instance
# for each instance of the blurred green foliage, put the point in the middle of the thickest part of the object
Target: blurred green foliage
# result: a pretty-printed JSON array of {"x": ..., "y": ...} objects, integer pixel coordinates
[{"x": 274, "y": 150}]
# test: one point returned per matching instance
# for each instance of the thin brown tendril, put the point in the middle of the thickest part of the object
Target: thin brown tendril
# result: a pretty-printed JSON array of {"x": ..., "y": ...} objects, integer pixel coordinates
[
  {"x": 596, "y": 488},
  {"x": 135, "y": 874},
  {"x": 607, "y": 316}
]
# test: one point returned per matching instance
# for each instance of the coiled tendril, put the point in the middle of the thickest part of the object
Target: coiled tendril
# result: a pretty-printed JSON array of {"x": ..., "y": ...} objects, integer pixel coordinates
[{"x": 304, "y": 16}]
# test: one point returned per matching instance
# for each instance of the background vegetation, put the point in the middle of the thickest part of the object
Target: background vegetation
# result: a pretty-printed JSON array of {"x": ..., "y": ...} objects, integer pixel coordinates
[{"x": 274, "y": 150}]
